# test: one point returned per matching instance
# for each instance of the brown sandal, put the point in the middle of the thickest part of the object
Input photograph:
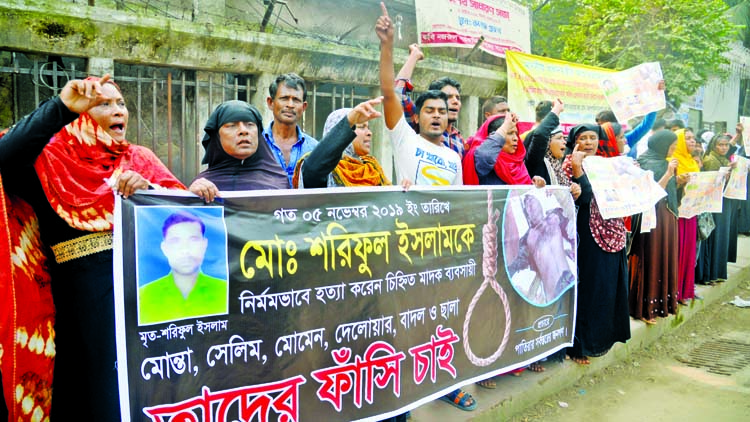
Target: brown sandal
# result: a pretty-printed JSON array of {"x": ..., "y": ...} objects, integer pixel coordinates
[
  {"x": 536, "y": 367},
  {"x": 489, "y": 383}
]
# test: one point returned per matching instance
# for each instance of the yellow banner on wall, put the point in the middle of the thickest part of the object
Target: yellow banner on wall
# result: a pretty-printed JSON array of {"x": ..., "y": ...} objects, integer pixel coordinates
[{"x": 534, "y": 78}]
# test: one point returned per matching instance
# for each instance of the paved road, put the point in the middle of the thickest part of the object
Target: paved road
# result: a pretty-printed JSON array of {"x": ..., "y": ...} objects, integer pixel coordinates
[{"x": 698, "y": 372}]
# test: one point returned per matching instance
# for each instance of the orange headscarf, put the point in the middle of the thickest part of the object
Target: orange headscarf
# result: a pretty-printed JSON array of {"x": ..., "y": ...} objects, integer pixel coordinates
[
  {"x": 362, "y": 171},
  {"x": 685, "y": 161}
]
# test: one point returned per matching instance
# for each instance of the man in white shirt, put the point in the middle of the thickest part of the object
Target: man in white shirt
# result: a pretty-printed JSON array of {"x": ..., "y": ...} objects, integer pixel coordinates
[{"x": 422, "y": 158}]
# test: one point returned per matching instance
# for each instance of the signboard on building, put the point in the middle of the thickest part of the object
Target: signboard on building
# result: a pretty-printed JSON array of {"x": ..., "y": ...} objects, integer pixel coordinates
[{"x": 502, "y": 25}]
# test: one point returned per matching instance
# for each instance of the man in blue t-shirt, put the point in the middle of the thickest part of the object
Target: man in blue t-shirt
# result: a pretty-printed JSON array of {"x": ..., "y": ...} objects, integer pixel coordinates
[{"x": 288, "y": 101}]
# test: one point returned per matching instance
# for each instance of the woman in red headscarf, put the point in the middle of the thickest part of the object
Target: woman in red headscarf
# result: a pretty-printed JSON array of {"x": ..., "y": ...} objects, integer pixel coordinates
[
  {"x": 64, "y": 159},
  {"x": 496, "y": 155}
]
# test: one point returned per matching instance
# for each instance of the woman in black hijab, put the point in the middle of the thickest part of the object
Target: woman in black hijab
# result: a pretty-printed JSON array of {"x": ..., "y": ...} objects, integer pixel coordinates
[
  {"x": 602, "y": 315},
  {"x": 654, "y": 256},
  {"x": 717, "y": 248},
  {"x": 237, "y": 157}
]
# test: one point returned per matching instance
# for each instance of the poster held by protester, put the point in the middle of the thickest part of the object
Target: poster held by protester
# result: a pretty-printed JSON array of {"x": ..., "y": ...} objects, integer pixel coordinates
[
  {"x": 501, "y": 25},
  {"x": 703, "y": 193},
  {"x": 357, "y": 305},
  {"x": 648, "y": 220},
  {"x": 634, "y": 92},
  {"x": 745, "y": 121},
  {"x": 737, "y": 185},
  {"x": 621, "y": 188}
]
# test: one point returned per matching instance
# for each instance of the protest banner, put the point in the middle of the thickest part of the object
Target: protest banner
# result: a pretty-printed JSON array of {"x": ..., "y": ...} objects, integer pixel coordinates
[
  {"x": 634, "y": 92},
  {"x": 343, "y": 304},
  {"x": 703, "y": 193},
  {"x": 501, "y": 25},
  {"x": 620, "y": 187},
  {"x": 737, "y": 185},
  {"x": 533, "y": 78}
]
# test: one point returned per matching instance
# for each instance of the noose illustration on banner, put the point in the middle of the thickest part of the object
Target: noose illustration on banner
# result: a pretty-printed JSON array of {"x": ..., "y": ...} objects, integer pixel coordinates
[{"x": 489, "y": 271}]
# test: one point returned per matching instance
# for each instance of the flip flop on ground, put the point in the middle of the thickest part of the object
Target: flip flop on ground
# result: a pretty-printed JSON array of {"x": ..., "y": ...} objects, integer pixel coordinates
[
  {"x": 488, "y": 383},
  {"x": 460, "y": 399}
]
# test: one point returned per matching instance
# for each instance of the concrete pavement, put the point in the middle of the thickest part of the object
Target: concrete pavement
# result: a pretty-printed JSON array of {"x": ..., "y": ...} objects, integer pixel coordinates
[{"x": 514, "y": 394}]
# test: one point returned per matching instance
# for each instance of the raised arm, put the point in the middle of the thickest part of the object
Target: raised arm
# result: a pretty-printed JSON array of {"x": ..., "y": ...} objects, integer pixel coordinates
[
  {"x": 25, "y": 141},
  {"x": 391, "y": 103},
  {"x": 404, "y": 85},
  {"x": 327, "y": 154},
  {"x": 671, "y": 171},
  {"x": 641, "y": 129},
  {"x": 404, "y": 75},
  {"x": 579, "y": 178},
  {"x": 536, "y": 148}
]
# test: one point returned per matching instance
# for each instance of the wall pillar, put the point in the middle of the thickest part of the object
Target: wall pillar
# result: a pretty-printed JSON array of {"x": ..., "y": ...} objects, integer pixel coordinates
[
  {"x": 258, "y": 99},
  {"x": 206, "y": 100},
  {"x": 99, "y": 66},
  {"x": 110, "y": 4},
  {"x": 209, "y": 11},
  {"x": 382, "y": 148},
  {"x": 468, "y": 117}
]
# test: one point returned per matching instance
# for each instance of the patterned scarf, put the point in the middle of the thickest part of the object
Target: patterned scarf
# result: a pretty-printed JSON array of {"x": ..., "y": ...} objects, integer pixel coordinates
[
  {"x": 73, "y": 166},
  {"x": 26, "y": 332},
  {"x": 364, "y": 170},
  {"x": 609, "y": 234},
  {"x": 352, "y": 169},
  {"x": 555, "y": 170}
]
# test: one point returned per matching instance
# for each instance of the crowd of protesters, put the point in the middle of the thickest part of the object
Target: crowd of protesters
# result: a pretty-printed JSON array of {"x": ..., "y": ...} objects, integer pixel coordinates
[{"x": 56, "y": 158}]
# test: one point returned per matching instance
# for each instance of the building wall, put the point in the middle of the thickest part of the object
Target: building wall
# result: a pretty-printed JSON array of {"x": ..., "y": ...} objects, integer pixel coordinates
[
  {"x": 721, "y": 102},
  {"x": 332, "y": 42}
]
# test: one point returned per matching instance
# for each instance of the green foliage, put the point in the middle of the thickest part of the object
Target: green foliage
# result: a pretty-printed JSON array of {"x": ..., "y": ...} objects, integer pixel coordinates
[
  {"x": 739, "y": 14},
  {"x": 687, "y": 37}
]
